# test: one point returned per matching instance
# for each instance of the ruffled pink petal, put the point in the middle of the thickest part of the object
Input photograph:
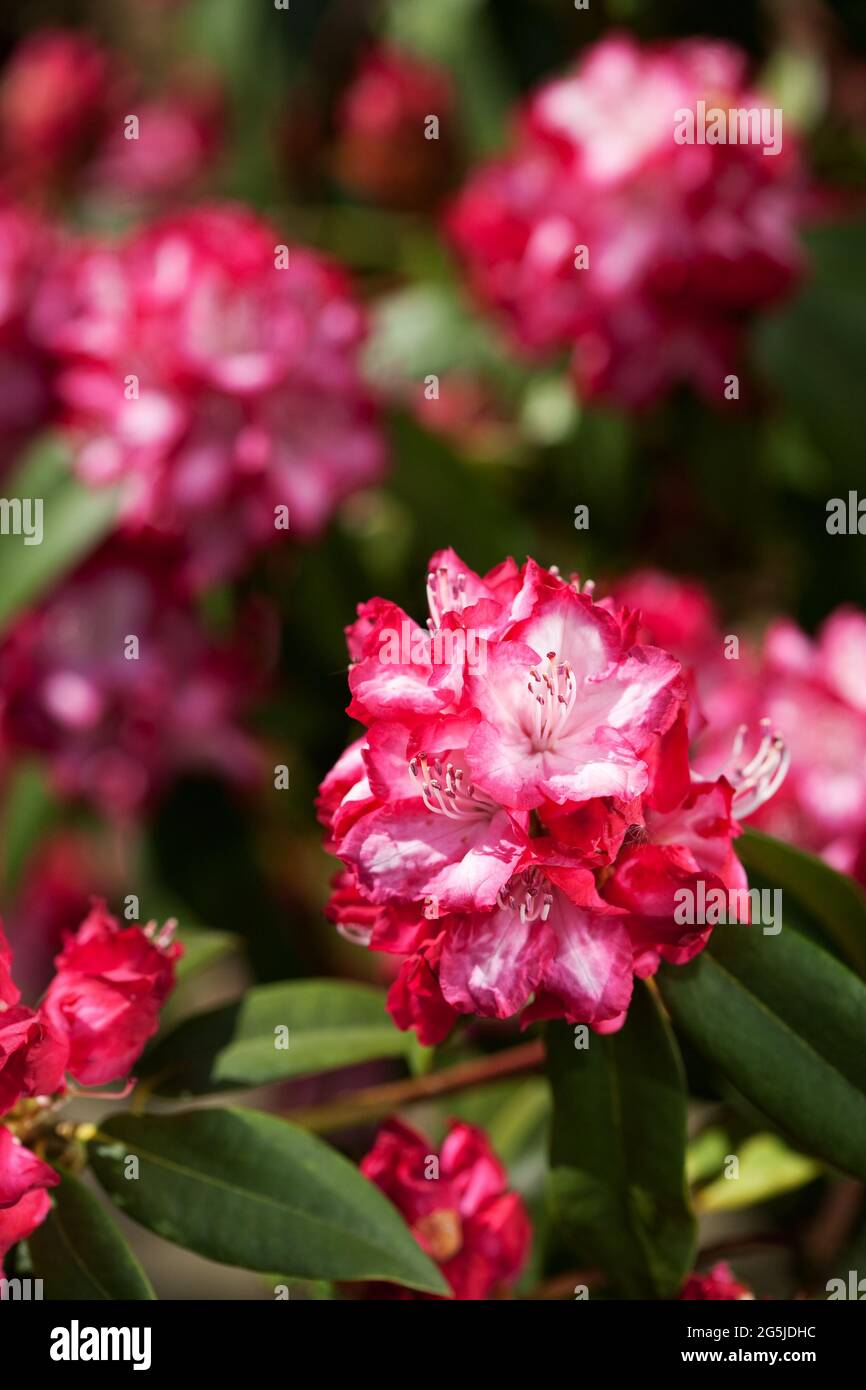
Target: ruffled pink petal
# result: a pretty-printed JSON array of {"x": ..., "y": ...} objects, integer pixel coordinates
[
  {"x": 415, "y": 1000},
  {"x": 591, "y": 968},
  {"x": 406, "y": 852},
  {"x": 471, "y": 1167},
  {"x": 9, "y": 992},
  {"x": 492, "y": 962},
  {"x": 572, "y": 626}
]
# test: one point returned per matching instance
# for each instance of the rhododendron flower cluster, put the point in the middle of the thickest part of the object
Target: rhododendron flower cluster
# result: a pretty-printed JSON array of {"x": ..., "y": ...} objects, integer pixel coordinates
[
  {"x": 812, "y": 691},
  {"x": 100, "y": 1008},
  {"x": 599, "y": 234},
  {"x": 457, "y": 1204},
  {"x": 117, "y": 721},
  {"x": 518, "y": 828},
  {"x": 98, "y": 1012},
  {"x": 179, "y": 134},
  {"x": 64, "y": 104},
  {"x": 214, "y": 371}
]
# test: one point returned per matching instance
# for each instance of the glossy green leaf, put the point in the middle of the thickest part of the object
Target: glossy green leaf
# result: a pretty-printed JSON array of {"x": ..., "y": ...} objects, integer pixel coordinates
[
  {"x": 834, "y": 900},
  {"x": 79, "y": 1253},
  {"x": 618, "y": 1152},
  {"x": 330, "y": 1023},
  {"x": 785, "y": 1022},
  {"x": 249, "y": 1189}
]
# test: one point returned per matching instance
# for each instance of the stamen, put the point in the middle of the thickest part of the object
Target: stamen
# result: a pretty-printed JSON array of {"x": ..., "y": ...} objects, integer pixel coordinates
[
  {"x": 355, "y": 932},
  {"x": 757, "y": 780},
  {"x": 553, "y": 693},
  {"x": 161, "y": 937},
  {"x": 527, "y": 894},
  {"x": 446, "y": 593},
  {"x": 74, "y": 1093},
  {"x": 444, "y": 793}
]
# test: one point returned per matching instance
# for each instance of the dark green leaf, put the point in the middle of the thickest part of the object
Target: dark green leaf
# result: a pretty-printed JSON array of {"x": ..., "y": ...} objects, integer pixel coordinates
[
  {"x": 835, "y": 901},
  {"x": 79, "y": 1253},
  {"x": 785, "y": 1022},
  {"x": 331, "y": 1023},
  {"x": 618, "y": 1152},
  {"x": 808, "y": 346},
  {"x": 249, "y": 1189}
]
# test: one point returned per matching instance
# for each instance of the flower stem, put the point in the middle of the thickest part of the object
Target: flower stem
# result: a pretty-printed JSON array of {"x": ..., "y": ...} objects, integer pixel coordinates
[{"x": 358, "y": 1107}]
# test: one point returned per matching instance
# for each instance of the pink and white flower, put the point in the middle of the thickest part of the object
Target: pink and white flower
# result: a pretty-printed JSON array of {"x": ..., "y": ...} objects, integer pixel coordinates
[
  {"x": 599, "y": 234},
  {"x": 519, "y": 835},
  {"x": 214, "y": 372},
  {"x": 809, "y": 689},
  {"x": 117, "y": 723}
]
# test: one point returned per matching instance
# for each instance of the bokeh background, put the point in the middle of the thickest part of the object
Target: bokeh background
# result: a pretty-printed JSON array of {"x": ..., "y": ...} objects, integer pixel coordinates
[{"x": 248, "y": 102}]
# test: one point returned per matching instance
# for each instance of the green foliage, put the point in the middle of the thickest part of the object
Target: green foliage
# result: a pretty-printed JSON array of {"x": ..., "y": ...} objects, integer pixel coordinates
[
  {"x": 784, "y": 1022},
  {"x": 618, "y": 1152},
  {"x": 329, "y": 1023},
  {"x": 245, "y": 1188},
  {"x": 79, "y": 1253},
  {"x": 833, "y": 901}
]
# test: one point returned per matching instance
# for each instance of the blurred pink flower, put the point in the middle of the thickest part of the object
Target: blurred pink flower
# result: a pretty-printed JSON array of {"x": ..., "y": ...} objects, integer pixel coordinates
[
  {"x": 810, "y": 690},
  {"x": 117, "y": 683},
  {"x": 384, "y": 150},
  {"x": 683, "y": 241},
  {"x": 179, "y": 134},
  {"x": 26, "y": 395},
  {"x": 215, "y": 371},
  {"x": 717, "y": 1284},
  {"x": 458, "y": 1207},
  {"x": 55, "y": 95},
  {"x": 53, "y": 896},
  {"x": 815, "y": 692},
  {"x": 9, "y": 993},
  {"x": 65, "y": 104}
]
